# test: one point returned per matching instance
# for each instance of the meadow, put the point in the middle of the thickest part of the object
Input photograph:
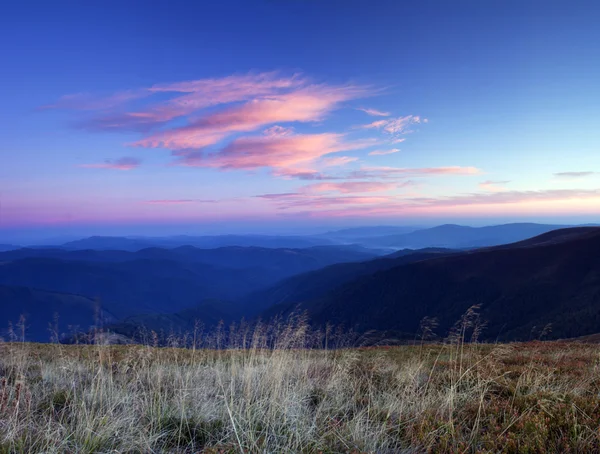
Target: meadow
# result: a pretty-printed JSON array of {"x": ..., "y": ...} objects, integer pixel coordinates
[{"x": 270, "y": 390}]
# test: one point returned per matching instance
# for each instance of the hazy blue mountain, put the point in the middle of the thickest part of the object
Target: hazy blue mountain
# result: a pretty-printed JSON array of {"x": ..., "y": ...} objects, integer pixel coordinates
[
  {"x": 554, "y": 278},
  {"x": 460, "y": 237},
  {"x": 8, "y": 247},
  {"x": 205, "y": 242},
  {"x": 164, "y": 280},
  {"x": 39, "y": 308},
  {"x": 287, "y": 261},
  {"x": 362, "y": 232}
]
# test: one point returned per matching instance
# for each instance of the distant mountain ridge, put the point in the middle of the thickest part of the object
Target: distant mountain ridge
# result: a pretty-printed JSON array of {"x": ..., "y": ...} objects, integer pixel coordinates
[
  {"x": 204, "y": 242},
  {"x": 460, "y": 237}
]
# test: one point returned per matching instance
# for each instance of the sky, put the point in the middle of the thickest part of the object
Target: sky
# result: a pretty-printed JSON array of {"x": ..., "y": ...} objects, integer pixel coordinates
[{"x": 296, "y": 115}]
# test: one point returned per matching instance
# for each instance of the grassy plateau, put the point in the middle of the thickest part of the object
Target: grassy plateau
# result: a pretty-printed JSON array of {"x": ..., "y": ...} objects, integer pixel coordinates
[{"x": 268, "y": 390}]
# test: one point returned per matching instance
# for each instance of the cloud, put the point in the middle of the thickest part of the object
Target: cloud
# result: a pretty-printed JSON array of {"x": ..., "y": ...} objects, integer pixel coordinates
[
  {"x": 87, "y": 101},
  {"x": 303, "y": 174},
  {"x": 399, "y": 205},
  {"x": 374, "y": 112},
  {"x": 178, "y": 201},
  {"x": 399, "y": 140},
  {"x": 396, "y": 126},
  {"x": 309, "y": 104},
  {"x": 286, "y": 152},
  {"x": 319, "y": 202},
  {"x": 384, "y": 152},
  {"x": 125, "y": 163},
  {"x": 574, "y": 174},
  {"x": 377, "y": 172},
  {"x": 493, "y": 186},
  {"x": 348, "y": 187},
  {"x": 337, "y": 161},
  {"x": 509, "y": 197},
  {"x": 217, "y": 122},
  {"x": 244, "y": 102},
  {"x": 391, "y": 172}
]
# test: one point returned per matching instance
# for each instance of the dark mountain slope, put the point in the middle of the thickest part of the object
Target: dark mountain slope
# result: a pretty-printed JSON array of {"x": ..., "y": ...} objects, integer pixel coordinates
[
  {"x": 313, "y": 284},
  {"x": 39, "y": 308},
  {"x": 518, "y": 288},
  {"x": 7, "y": 247}
]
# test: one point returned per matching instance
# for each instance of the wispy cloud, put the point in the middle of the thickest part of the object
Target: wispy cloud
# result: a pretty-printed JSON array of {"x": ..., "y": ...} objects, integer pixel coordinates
[
  {"x": 396, "y": 126},
  {"x": 374, "y": 112},
  {"x": 337, "y": 161},
  {"x": 287, "y": 152},
  {"x": 384, "y": 152},
  {"x": 216, "y": 122},
  {"x": 349, "y": 187},
  {"x": 574, "y": 175},
  {"x": 178, "y": 201},
  {"x": 379, "y": 173},
  {"x": 403, "y": 205},
  {"x": 493, "y": 186},
  {"x": 389, "y": 172},
  {"x": 125, "y": 163},
  {"x": 308, "y": 104}
]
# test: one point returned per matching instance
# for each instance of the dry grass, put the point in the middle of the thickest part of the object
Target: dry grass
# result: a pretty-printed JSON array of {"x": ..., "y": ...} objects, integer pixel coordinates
[{"x": 275, "y": 396}]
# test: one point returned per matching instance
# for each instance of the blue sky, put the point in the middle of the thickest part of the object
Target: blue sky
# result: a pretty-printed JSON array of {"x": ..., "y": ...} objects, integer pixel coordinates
[{"x": 491, "y": 106}]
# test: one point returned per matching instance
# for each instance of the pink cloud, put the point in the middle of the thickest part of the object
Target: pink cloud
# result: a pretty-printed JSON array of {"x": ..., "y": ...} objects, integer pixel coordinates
[
  {"x": 190, "y": 96},
  {"x": 374, "y": 112},
  {"x": 377, "y": 172},
  {"x": 550, "y": 201},
  {"x": 318, "y": 202},
  {"x": 493, "y": 186},
  {"x": 337, "y": 161},
  {"x": 387, "y": 172},
  {"x": 280, "y": 152},
  {"x": 119, "y": 164},
  {"x": 384, "y": 152},
  {"x": 348, "y": 187},
  {"x": 178, "y": 201},
  {"x": 308, "y": 104}
]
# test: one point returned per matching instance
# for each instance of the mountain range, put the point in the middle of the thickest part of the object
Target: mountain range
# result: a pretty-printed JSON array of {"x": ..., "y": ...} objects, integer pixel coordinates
[
  {"x": 522, "y": 277},
  {"x": 460, "y": 236}
]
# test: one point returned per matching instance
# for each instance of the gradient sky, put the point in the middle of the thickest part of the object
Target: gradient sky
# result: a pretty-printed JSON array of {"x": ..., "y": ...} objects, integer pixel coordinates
[{"x": 289, "y": 114}]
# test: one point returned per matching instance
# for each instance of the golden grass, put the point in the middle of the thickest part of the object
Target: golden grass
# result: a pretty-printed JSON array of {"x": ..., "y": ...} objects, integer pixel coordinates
[{"x": 443, "y": 398}]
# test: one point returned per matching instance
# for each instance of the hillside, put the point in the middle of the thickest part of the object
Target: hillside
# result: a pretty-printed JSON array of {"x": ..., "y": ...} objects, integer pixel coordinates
[
  {"x": 520, "y": 289},
  {"x": 39, "y": 307},
  {"x": 310, "y": 285}
]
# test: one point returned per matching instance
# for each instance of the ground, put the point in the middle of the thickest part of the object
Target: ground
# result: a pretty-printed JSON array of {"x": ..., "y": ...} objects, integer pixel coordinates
[{"x": 440, "y": 398}]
